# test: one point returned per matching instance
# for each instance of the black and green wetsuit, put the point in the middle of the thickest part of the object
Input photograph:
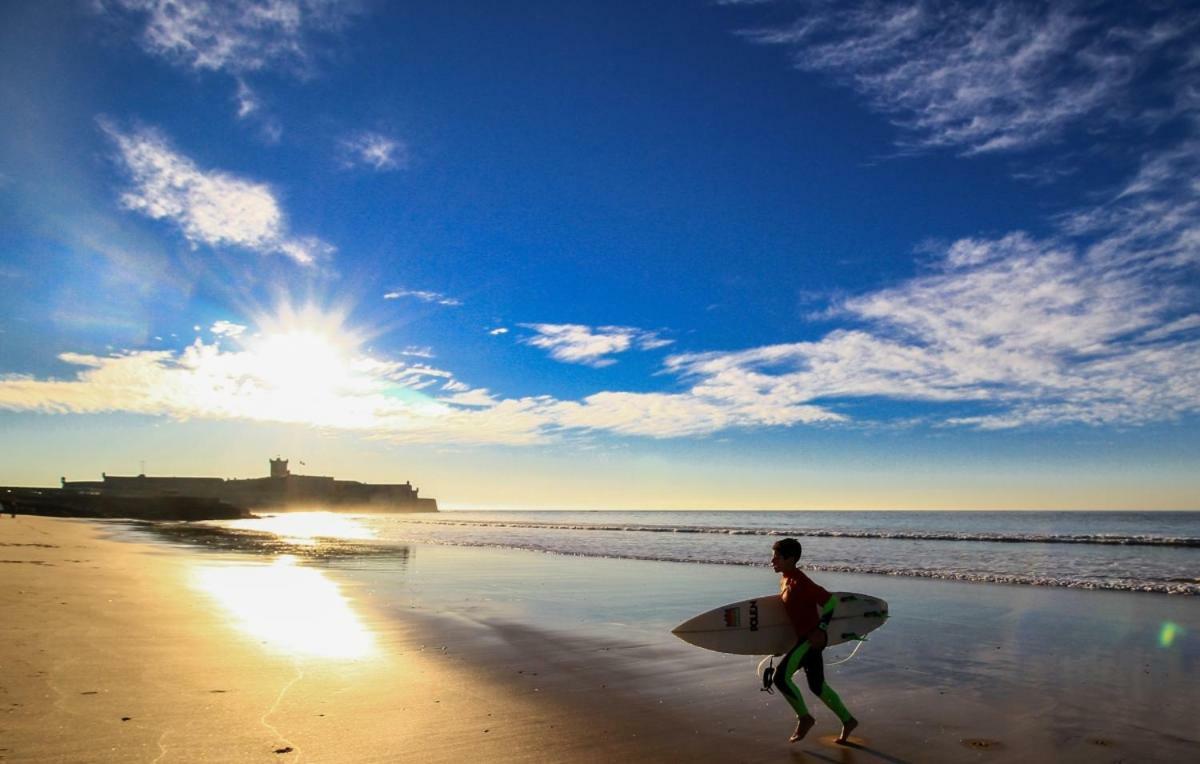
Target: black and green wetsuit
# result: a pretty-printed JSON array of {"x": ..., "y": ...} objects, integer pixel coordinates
[{"x": 800, "y": 595}]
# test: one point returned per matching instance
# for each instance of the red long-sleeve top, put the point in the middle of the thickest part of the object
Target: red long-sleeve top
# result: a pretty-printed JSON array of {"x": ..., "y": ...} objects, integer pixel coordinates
[{"x": 803, "y": 600}]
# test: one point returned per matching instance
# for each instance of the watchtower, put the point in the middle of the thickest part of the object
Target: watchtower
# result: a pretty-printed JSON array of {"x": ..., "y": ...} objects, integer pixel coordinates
[{"x": 279, "y": 468}]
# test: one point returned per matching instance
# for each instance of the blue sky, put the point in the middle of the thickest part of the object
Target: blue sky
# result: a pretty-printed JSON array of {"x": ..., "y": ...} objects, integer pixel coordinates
[{"x": 675, "y": 254}]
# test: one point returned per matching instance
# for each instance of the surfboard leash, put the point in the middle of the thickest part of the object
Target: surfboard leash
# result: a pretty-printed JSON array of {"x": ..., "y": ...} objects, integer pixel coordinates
[{"x": 861, "y": 640}]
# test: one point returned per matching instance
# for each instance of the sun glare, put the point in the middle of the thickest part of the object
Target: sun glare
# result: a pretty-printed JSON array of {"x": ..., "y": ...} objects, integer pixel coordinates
[
  {"x": 307, "y": 527},
  {"x": 303, "y": 361},
  {"x": 312, "y": 367}
]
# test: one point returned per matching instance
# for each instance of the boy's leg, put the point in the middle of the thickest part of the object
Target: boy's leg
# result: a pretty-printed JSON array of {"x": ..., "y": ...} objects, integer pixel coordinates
[
  {"x": 814, "y": 668},
  {"x": 791, "y": 693},
  {"x": 789, "y": 665}
]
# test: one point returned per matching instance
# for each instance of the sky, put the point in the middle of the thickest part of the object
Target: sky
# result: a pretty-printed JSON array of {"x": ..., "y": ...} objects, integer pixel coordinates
[{"x": 682, "y": 254}]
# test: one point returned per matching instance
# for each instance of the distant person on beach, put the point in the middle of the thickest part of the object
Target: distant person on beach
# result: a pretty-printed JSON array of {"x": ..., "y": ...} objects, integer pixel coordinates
[{"x": 802, "y": 599}]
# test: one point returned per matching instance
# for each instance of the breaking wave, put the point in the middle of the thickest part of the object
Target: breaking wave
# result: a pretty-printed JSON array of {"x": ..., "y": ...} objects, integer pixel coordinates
[
  {"x": 1109, "y": 539},
  {"x": 1183, "y": 586}
]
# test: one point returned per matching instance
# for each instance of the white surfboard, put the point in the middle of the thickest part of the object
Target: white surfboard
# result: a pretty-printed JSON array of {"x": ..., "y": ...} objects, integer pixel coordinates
[{"x": 760, "y": 626}]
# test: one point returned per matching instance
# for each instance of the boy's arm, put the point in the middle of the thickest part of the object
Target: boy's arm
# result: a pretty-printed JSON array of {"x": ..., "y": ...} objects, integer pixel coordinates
[
  {"x": 819, "y": 637},
  {"x": 827, "y": 612}
]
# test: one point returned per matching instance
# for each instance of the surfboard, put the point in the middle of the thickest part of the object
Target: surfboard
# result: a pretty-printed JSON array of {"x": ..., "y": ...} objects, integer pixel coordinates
[{"x": 760, "y": 626}]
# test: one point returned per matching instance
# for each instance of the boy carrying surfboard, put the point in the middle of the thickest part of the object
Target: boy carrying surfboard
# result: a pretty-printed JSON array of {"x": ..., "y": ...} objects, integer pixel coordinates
[{"x": 809, "y": 608}]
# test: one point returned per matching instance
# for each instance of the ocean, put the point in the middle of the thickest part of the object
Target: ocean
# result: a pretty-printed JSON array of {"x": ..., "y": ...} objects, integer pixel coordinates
[{"x": 1153, "y": 552}]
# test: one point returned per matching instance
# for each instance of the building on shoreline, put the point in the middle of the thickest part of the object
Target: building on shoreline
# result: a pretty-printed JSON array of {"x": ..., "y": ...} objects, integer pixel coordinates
[{"x": 280, "y": 490}]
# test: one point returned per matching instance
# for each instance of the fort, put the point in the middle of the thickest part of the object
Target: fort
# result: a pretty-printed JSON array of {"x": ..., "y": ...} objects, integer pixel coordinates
[
  {"x": 280, "y": 490},
  {"x": 210, "y": 498}
]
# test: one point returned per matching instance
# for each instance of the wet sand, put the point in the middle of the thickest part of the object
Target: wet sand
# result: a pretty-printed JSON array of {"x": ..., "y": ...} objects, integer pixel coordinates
[{"x": 119, "y": 651}]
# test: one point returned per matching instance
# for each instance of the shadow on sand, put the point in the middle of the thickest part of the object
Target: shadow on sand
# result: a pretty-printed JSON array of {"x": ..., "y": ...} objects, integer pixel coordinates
[{"x": 846, "y": 757}]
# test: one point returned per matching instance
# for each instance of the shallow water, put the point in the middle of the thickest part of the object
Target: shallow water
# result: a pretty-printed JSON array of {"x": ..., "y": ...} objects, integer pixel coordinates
[{"x": 1131, "y": 551}]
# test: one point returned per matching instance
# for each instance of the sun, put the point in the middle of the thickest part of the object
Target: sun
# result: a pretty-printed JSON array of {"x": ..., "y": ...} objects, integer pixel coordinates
[
  {"x": 310, "y": 365},
  {"x": 303, "y": 361}
]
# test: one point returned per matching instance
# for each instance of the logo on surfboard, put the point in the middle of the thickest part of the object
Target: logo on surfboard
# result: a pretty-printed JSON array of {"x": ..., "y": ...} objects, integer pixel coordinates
[{"x": 733, "y": 617}]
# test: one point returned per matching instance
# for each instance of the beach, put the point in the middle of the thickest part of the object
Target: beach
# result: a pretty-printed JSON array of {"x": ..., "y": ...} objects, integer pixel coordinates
[{"x": 128, "y": 650}]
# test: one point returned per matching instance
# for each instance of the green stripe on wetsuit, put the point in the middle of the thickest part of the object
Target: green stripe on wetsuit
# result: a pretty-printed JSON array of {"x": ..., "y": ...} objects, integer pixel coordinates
[
  {"x": 804, "y": 656},
  {"x": 827, "y": 612}
]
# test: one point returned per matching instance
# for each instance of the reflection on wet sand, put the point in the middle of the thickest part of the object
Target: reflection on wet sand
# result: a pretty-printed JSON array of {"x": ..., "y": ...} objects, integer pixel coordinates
[
  {"x": 306, "y": 528},
  {"x": 313, "y": 536},
  {"x": 292, "y": 608}
]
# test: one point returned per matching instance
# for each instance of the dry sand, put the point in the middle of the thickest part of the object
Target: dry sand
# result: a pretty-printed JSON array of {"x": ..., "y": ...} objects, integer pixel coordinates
[{"x": 109, "y": 652}]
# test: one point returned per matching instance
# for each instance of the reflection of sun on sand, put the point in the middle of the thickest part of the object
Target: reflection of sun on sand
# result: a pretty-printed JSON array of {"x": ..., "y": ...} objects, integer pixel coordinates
[{"x": 291, "y": 608}]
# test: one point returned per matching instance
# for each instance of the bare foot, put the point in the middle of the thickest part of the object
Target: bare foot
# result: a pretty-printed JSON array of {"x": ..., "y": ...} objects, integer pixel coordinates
[
  {"x": 847, "y": 728},
  {"x": 803, "y": 725}
]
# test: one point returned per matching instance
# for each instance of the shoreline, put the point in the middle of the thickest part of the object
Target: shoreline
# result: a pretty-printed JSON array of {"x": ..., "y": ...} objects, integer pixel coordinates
[{"x": 194, "y": 685}]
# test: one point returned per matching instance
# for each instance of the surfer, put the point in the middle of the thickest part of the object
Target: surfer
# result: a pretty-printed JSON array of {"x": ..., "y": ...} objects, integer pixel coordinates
[{"x": 802, "y": 599}]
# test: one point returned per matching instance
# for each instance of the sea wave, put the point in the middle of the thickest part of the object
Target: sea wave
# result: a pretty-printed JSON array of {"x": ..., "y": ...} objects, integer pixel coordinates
[
  {"x": 1187, "y": 587},
  {"x": 1177, "y": 586},
  {"x": 1107, "y": 539},
  {"x": 395, "y": 547}
]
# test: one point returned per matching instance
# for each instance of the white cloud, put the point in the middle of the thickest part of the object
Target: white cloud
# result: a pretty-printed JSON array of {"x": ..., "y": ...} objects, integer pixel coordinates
[
  {"x": 1093, "y": 326},
  {"x": 210, "y": 207},
  {"x": 235, "y": 36},
  {"x": 1185, "y": 324},
  {"x": 576, "y": 343},
  {"x": 227, "y": 329},
  {"x": 247, "y": 100},
  {"x": 988, "y": 76},
  {"x": 671, "y": 415},
  {"x": 374, "y": 150},
  {"x": 498, "y": 331},
  {"x": 298, "y": 379},
  {"x": 238, "y": 38},
  {"x": 479, "y": 397},
  {"x": 423, "y": 296}
]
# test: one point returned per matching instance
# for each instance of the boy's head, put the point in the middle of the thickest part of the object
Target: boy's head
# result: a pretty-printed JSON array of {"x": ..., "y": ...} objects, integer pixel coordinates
[
  {"x": 788, "y": 547},
  {"x": 787, "y": 554}
]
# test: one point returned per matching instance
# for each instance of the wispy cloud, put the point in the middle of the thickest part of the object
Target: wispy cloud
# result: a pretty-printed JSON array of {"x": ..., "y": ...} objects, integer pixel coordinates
[
  {"x": 250, "y": 108},
  {"x": 591, "y": 346},
  {"x": 227, "y": 329},
  {"x": 248, "y": 102},
  {"x": 209, "y": 206},
  {"x": 298, "y": 379},
  {"x": 235, "y": 36},
  {"x": 1095, "y": 325},
  {"x": 498, "y": 331},
  {"x": 982, "y": 77},
  {"x": 373, "y": 150},
  {"x": 424, "y": 296}
]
